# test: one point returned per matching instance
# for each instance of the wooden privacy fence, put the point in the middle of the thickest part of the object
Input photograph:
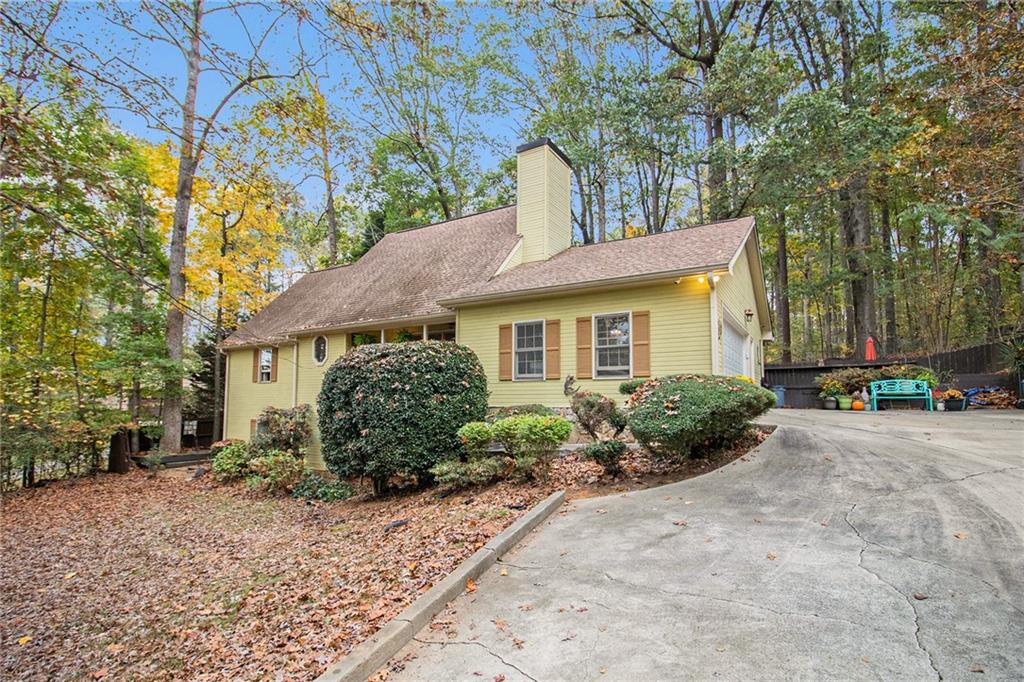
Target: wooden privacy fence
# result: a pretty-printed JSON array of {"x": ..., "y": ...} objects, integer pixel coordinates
[{"x": 967, "y": 367}]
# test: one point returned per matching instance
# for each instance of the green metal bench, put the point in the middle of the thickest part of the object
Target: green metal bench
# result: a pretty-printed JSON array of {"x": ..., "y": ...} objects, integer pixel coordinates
[{"x": 901, "y": 389}]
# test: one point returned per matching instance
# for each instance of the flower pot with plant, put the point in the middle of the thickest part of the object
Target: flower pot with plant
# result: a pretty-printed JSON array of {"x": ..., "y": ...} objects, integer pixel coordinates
[
  {"x": 954, "y": 401},
  {"x": 831, "y": 389},
  {"x": 845, "y": 402}
]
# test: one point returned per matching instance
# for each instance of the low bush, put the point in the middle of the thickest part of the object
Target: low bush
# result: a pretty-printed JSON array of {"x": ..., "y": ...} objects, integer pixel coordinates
[
  {"x": 672, "y": 415},
  {"x": 221, "y": 444},
  {"x": 855, "y": 378},
  {"x": 476, "y": 437},
  {"x": 594, "y": 411},
  {"x": 232, "y": 461},
  {"x": 396, "y": 408},
  {"x": 316, "y": 487},
  {"x": 531, "y": 441},
  {"x": 275, "y": 471},
  {"x": 458, "y": 474},
  {"x": 284, "y": 428},
  {"x": 629, "y": 387},
  {"x": 499, "y": 413},
  {"x": 608, "y": 454}
]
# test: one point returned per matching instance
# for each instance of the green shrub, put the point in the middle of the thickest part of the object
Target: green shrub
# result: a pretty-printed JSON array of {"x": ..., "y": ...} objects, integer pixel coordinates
[
  {"x": 315, "y": 487},
  {"x": 499, "y": 413},
  {"x": 221, "y": 444},
  {"x": 284, "y": 428},
  {"x": 476, "y": 437},
  {"x": 153, "y": 461},
  {"x": 276, "y": 471},
  {"x": 855, "y": 378},
  {"x": 607, "y": 453},
  {"x": 458, "y": 474},
  {"x": 393, "y": 408},
  {"x": 594, "y": 410},
  {"x": 531, "y": 440},
  {"x": 671, "y": 415},
  {"x": 629, "y": 387},
  {"x": 232, "y": 461}
]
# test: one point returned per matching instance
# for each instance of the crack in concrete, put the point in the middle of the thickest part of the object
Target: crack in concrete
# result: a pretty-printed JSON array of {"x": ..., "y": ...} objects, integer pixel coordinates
[
  {"x": 482, "y": 646},
  {"x": 736, "y": 602},
  {"x": 906, "y": 598}
]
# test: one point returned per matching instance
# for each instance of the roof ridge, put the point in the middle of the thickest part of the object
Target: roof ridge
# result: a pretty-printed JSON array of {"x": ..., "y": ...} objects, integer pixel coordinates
[
  {"x": 449, "y": 220},
  {"x": 664, "y": 232}
]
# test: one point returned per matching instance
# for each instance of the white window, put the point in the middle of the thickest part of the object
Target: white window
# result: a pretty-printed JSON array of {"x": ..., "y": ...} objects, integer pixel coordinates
[
  {"x": 320, "y": 349},
  {"x": 266, "y": 364},
  {"x": 528, "y": 355},
  {"x": 612, "y": 351}
]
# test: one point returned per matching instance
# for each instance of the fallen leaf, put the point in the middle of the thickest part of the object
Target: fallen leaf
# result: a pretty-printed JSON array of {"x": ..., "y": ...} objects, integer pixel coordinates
[
  {"x": 22, "y": 641},
  {"x": 412, "y": 566},
  {"x": 680, "y": 522},
  {"x": 470, "y": 585},
  {"x": 99, "y": 674},
  {"x": 771, "y": 557},
  {"x": 70, "y": 575},
  {"x": 600, "y": 511},
  {"x": 602, "y": 670},
  {"x": 757, "y": 520},
  {"x": 720, "y": 648},
  {"x": 499, "y": 678},
  {"x": 960, "y": 536},
  {"x": 526, "y": 607},
  {"x": 500, "y": 624},
  {"x": 504, "y": 571},
  {"x": 920, "y": 597},
  {"x": 115, "y": 648},
  {"x": 518, "y": 642},
  {"x": 977, "y": 669}
]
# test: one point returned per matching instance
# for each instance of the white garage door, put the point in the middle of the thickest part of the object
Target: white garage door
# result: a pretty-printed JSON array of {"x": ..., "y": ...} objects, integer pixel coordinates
[{"x": 735, "y": 350}]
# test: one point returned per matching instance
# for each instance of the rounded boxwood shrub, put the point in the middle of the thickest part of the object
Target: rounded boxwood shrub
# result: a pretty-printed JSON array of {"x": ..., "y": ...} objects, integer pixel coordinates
[
  {"x": 232, "y": 461},
  {"x": 607, "y": 453},
  {"x": 386, "y": 409},
  {"x": 531, "y": 441},
  {"x": 671, "y": 415}
]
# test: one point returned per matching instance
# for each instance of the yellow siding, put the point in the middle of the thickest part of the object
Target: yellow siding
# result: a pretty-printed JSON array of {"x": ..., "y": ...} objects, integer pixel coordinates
[
  {"x": 736, "y": 295},
  {"x": 246, "y": 400},
  {"x": 680, "y": 332},
  {"x": 559, "y": 219},
  {"x": 543, "y": 204}
]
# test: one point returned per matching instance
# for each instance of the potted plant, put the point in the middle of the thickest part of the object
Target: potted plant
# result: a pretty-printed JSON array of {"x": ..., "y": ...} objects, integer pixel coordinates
[
  {"x": 845, "y": 402},
  {"x": 954, "y": 400},
  {"x": 831, "y": 389}
]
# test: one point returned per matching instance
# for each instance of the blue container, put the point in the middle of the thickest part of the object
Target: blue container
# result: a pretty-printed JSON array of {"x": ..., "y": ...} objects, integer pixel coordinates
[{"x": 780, "y": 395}]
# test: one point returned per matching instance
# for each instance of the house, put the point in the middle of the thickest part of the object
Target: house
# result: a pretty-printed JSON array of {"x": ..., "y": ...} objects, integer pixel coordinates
[{"x": 509, "y": 284}]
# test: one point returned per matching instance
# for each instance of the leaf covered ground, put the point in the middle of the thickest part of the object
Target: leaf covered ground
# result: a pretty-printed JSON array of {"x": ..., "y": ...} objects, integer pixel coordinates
[{"x": 132, "y": 577}]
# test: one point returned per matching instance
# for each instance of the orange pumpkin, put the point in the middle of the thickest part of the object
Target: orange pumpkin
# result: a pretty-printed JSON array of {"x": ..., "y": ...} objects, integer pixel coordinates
[{"x": 858, "y": 405}]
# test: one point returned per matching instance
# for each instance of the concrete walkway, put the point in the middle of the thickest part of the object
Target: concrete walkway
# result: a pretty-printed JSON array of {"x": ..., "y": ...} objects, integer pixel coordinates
[{"x": 848, "y": 546}]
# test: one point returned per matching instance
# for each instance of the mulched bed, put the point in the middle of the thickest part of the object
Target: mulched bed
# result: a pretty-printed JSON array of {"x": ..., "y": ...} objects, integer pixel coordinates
[{"x": 133, "y": 577}]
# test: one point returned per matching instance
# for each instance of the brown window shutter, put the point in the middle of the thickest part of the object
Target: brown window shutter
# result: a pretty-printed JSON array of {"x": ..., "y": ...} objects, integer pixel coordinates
[
  {"x": 505, "y": 352},
  {"x": 273, "y": 365},
  {"x": 252, "y": 429},
  {"x": 553, "y": 349},
  {"x": 584, "y": 348},
  {"x": 255, "y": 365},
  {"x": 641, "y": 343}
]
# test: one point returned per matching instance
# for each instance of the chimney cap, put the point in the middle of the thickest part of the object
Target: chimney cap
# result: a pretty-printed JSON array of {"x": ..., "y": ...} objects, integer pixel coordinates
[{"x": 540, "y": 142}]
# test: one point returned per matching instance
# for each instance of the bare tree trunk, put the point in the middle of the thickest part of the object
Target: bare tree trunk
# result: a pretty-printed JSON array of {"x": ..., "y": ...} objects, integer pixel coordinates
[
  {"x": 218, "y": 335},
  {"x": 332, "y": 218},
  {"x": 782, "y": 307},
  {"x": 187, "y": 162},
  {"x": 891, "y": 333}
]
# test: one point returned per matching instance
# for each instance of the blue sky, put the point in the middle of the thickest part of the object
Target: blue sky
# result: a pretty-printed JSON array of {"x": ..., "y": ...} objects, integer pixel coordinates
[{"x": 89, "y": 24}]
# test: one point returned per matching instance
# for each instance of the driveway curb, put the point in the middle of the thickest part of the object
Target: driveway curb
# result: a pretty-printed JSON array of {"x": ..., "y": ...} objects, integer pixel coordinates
[{"x": 368, "y": 656}]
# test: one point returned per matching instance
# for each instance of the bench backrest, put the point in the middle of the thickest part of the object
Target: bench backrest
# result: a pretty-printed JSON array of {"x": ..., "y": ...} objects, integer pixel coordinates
[{"x": 899, "y": 386}]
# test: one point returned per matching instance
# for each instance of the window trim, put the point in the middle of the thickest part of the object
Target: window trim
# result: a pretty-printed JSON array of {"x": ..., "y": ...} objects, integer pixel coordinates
[
  {"x": 270, "y": 366},
  {"x": 327, "y": 348},
  {"x": 595, "y": 371},
  {"x": 543, "y": 351}
]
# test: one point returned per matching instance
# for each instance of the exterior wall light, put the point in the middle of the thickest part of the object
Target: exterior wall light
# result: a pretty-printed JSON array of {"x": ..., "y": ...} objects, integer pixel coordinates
[{"x": 749, "y": 314}]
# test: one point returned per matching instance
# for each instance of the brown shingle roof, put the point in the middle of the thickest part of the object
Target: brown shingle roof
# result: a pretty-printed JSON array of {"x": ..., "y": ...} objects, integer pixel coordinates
[
  {"x": 401, "y": 277},
  {"x": 408, "y": 274},
  {"x": 709, "y": 246}
]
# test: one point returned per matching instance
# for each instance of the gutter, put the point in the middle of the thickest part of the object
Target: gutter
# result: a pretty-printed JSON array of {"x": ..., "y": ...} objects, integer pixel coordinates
[
  {"x": 575, "y": 286},
  {"x": 292, "y": 337}
]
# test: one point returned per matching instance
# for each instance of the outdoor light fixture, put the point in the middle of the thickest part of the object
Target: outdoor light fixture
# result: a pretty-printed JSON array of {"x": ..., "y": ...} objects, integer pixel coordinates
[{"x": 749, "y": 314}]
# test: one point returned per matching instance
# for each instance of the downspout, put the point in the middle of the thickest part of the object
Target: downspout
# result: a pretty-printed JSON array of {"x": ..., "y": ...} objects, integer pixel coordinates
[
  {"x": 295, "y": 374},
  {"x": 713, "y": 302}
]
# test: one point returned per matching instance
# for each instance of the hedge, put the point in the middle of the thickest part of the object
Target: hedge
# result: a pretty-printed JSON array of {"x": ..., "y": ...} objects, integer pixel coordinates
[
  {"x": 387, "y": 409},
  {"x": 856, "y": 378},
  {"x": 672, "y": 415}
]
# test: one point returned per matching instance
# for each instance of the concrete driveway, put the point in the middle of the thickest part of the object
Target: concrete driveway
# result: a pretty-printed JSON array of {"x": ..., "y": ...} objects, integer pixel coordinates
[{"x": 848, "y": 546}]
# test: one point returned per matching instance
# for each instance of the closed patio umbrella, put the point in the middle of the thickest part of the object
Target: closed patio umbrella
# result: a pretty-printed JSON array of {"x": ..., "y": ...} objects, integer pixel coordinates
[{"x": 869, "y": 349}]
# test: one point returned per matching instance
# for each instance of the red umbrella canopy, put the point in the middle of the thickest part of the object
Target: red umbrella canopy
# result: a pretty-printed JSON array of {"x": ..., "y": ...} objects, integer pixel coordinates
[{"x": 869, "y": 349}]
